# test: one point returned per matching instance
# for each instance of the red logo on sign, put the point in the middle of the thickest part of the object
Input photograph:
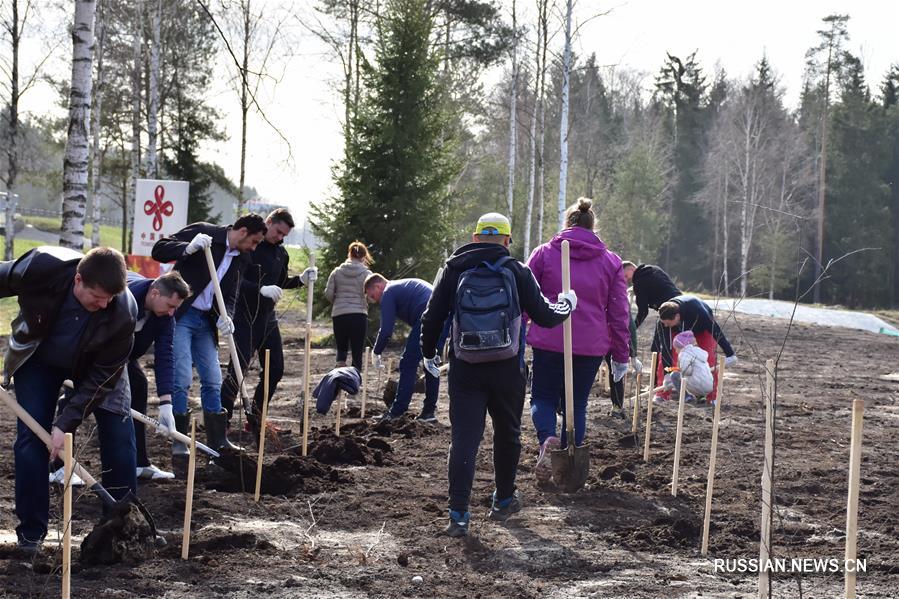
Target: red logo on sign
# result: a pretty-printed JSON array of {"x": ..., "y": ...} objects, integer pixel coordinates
[{"x": 159, "y": 208}]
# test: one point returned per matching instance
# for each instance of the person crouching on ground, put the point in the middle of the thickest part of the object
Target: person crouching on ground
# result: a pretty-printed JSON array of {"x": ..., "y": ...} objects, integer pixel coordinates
[
  {"x": 692, "y": 363},
  {"x": 600, "y": 327},
  {"x": 486, "y": 291}
]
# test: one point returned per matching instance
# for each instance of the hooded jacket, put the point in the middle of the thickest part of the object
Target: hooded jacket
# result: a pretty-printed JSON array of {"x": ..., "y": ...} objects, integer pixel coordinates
[
  {"x": 468, "y": 256},
  {"x": 652, "y": 288},
  {"x": 697, "y": 316},
  {"x": 267, "y": 266},
  {"x": 158, "y": 331},
  {"x": 41, "y": 279},
  {"x": 601, "y": 323},
  {"x": 693, "y": 362},
  {"x": 344, "y": 289}
]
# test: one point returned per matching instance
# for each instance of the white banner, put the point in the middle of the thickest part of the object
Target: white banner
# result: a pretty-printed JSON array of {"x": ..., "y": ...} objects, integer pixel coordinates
[{"x": 160, "y": 210}]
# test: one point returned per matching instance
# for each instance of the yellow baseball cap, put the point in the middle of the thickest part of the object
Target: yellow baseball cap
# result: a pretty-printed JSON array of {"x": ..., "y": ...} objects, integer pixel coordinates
[{"x": 493, "y": 223}]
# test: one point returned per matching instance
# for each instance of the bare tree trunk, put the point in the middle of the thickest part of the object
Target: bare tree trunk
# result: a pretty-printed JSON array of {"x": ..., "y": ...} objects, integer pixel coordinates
[
  {"x": 513, "y": 124},
  {"x": 563, "y": 124},
  {"x": 12, "y": 151},
  {"x": 136, "y": 44},
  {"x": 74, "y": 178},
  {"x": 153, "y": 116},
  {"x": 244, "y": 105},
  {"x": 822, "y": 185},
  {"x": 96, "y": 113},
  {"x": 717, "y": 198},
  {"x": 532, "y": 168},
  {"x": 725, "y": 233}
]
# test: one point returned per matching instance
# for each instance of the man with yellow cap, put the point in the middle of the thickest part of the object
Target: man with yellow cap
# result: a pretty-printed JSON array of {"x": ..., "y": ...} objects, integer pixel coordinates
[{"x": 485, "y": 290}]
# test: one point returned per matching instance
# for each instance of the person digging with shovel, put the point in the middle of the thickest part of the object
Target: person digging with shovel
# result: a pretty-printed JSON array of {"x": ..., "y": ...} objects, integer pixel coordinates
[
  {"x": 485, "y": 290},
  {"x": 76, "y": 321}
]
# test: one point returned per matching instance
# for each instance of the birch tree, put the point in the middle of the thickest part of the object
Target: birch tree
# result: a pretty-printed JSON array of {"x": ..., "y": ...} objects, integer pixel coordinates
[
  {"x": 136, "y": 70},
  {"x": 539, "y": 78},
  {"x": 96, "y": 181},
  {"x": 75, "y": 163},
  {"x": 563, "y": 124},
  {"x": 152, "y": 168},
  {"x": 513, "y": 120}
]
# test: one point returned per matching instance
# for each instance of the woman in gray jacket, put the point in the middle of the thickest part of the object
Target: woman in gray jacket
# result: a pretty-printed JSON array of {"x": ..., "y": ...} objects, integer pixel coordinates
[{"x": 349, "y": 309}]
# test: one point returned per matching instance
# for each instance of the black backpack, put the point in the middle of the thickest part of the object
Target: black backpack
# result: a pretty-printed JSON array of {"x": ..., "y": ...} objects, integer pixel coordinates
[{"x": 487, "y": 315}]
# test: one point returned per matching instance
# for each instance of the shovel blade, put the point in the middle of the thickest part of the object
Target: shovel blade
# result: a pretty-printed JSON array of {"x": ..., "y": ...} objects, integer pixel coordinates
[{"x": 571, "y": 468}]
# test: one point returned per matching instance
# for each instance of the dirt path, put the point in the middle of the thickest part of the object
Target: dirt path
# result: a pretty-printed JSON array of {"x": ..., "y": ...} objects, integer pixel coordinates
[{"x": 365, "y": 517}]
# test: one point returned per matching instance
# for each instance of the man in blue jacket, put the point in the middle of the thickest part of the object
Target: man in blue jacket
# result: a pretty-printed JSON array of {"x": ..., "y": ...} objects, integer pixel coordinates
[{"x": 405, "y": 299}]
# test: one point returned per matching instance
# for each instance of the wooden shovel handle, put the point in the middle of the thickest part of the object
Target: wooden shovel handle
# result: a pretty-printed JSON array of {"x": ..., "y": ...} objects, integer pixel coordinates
[{"x": 567, "y": 349}]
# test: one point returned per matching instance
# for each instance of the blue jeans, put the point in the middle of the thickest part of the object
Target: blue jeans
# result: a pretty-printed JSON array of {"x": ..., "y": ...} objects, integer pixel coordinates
[
  {"x": 37, "y": 390},
  {"x": 548, "y": 393},
  {"x": 194, "y": 345},
  {"x": 409, "y": 363}
]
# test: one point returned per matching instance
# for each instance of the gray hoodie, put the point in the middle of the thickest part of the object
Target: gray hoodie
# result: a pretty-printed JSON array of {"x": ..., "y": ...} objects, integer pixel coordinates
[{"x": 344, "y": 289}]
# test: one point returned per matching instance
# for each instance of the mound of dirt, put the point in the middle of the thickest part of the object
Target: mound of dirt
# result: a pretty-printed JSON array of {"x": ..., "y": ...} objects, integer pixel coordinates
[
  {"x": 347, "y": 449},
  {"x": 123, "y": 536},
  {"x": 286, "y": 475}
]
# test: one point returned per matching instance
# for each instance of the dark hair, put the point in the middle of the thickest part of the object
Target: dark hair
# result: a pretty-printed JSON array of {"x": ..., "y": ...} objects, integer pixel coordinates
[
  {"x": 281, "y": 215},
  {"x": 627, "y": 264},
  {"x": 104, "y": 267},
  {"x": 580, "y": 214},
  {"x": 358, "y": 251},
  {"x": 669, "y": 310},
  {"x": 371, "y": 279},
  {"x": 253, "y": 223},
  {"x": 171, "y": 283}
]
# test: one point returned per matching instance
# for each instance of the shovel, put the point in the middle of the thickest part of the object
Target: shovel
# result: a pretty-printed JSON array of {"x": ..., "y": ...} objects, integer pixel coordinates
[
  {"x": 174, "y": 435},
  {"x": 570, "y": 465},
  {"x": 107, "y": 499}
]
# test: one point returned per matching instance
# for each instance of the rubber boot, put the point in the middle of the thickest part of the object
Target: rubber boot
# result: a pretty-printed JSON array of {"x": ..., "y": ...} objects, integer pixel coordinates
[
  {"x": 216, "y": 431},
  {"x": 180, "y": 451}
]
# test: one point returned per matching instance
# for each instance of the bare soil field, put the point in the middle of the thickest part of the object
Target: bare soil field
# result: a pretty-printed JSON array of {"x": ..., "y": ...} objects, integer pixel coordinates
[{"x": 362, "y": 514}]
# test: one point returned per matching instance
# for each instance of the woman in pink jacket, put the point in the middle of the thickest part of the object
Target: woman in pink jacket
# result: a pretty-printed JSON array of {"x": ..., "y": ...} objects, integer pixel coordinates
[{"x": 600, "y": 326}]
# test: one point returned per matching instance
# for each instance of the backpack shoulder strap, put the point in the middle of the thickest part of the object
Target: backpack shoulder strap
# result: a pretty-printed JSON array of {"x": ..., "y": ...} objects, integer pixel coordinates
[{"x": 496, "y": 266}]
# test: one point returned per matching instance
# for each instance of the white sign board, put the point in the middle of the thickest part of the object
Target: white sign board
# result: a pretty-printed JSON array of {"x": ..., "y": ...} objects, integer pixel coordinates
[{"x": 160, "y": 210}]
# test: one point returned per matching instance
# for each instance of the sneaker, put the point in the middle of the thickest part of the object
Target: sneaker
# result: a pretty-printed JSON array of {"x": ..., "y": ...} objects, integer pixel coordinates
[
  {"x": 689, "y": 398},
  {"x": 502, "y": 509},
  {"x": 151, "y": 472},
  {"x": 458, "y": 524},
  {"x": 385, "y": 417},
  {"x": 617, "y": 412},
  {"x": 659, "y": 398},
  {"x": 29, "y": 548},
  {"x": 427, "y": 417},
  {"x": 543, "y": 468},
  {"x": 59, "y": 476}
]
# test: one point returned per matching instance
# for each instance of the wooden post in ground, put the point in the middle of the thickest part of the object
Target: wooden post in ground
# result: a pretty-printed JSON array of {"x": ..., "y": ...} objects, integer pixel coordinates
[
  {"x": 765, "y": 541},
  {"x": 652, "y": 382},
  {"x": 636, "y": 403},
  {"x": 710, "y": 479},
  {"x": 678, "y": 434},
  {"x": 855, "y": 461},
  {"x": 69, "y": 463},
  {"x": 262, "y": 424},
  {"x": 604, "y": 379},
  {"x": 307, "y": 361},
  {"x": 189, "y": 499},
  {"x": 366, "y": 358},
  {"x": 338, "y": 406}
]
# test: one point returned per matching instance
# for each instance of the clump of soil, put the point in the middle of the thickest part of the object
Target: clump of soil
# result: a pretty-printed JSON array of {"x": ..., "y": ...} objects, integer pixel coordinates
[
  {"x": 123, "y": 536},
  {"x": 286, "y": 475},
  {"x": 347, "y": 449}
]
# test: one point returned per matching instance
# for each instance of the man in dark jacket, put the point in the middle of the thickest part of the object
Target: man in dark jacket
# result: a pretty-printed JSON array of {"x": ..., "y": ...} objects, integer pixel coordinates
[
  {"x": 198, "y": 317},
  {"x": 652, "y": 288},
  {"x": 158, "y": 299},
  {"x": 497, "y": 387},
  {"x": 76, "y": 321},
  {"x": 255, "y": 325}
]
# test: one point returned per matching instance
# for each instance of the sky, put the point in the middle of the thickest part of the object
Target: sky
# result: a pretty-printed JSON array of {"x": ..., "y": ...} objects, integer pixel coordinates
[{"x": 305, "y": 103}]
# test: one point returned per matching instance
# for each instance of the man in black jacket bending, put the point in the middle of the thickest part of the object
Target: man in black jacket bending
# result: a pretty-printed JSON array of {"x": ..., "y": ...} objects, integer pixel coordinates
[
  {"x": 255, "y": 325},
  {"x": 486, "y": 385},
  {"x": 76, "y": 321},
  {"x": 197, "y": 319}
]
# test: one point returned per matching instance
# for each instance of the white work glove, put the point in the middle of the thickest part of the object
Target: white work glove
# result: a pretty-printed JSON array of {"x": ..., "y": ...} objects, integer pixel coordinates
[
  {"x": 432, "y": 366},
  {"x": 376, "y": 361},
  {"x": 619, "y": 369},
  {"x": 225, "y": 325},
  {"x": 309, "y": 275},
  {"x": 272, "y": 292},
  {"x": 570, "y": 297},
  {"x": 201, "y": 241},
  {"x": 637, "y": 365},
  {"x": 166, "y": 419},
  {"x": 730, "y": 360}
]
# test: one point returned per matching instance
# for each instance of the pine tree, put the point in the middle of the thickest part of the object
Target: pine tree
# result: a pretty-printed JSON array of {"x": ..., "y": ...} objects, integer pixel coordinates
[{"x": 890, "y": 100}]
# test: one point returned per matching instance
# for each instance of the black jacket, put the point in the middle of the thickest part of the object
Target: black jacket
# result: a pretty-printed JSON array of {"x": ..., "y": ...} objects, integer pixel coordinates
[
  {"x": 537, "y": 307},
  {"x": 652, "y": 288},
  {"x": 41, "y": 279},
  {"x": 697, "y": 316},
  {"x": 158, "y": 331},
  {"x": 194, "y": 268},
  {"x": 268, "y": 266}
]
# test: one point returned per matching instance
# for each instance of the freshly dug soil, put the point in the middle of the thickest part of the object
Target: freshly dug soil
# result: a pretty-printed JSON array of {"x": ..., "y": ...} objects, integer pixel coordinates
[{"x": 122, "y": 537}]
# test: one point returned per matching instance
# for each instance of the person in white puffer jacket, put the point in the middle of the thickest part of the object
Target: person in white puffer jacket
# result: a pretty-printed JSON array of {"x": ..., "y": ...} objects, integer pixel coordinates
[{"x": 692, "y": 363}]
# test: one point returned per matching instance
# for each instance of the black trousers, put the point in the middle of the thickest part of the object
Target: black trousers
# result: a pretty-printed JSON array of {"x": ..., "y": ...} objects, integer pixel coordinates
[
  {"x": 475, "y": 390},
  {"x": 349, "y": 332},
  {"x": 254, "y": 337},
  {"x": 139, "y": 391},
  {"x": 616, "y": 390},
  {"x": 661, "y": 343}
]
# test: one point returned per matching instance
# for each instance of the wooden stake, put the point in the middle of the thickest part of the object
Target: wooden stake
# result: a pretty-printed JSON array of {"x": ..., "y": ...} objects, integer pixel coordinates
[
  {"x": 67, "y": 517},
  {"x": 680, "y": 430},
  {"x": 338, "y": 406},
  {"x": 307, "y": 363},
  {"x": 366, "y": 358},
  {"x": 189, "y": 499},
  {"x": 604, "y": 378},
  {"x": 654, "y": 362},
  {"x": 855, "y": 460},
  {"x": 262, "y": 423},
  {"x": 764, "y": 544},
  {"x": 710, "y": 479},
  {"x": 636, "y": 402}
]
